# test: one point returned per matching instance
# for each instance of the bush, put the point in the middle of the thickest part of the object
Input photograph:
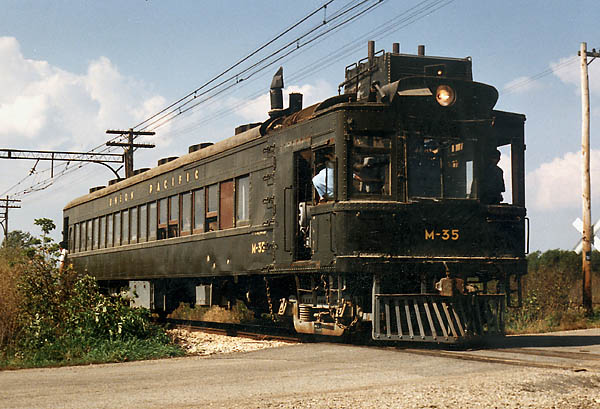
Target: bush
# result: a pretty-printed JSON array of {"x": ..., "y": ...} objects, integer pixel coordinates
[
  {"x": 57, "y": 317},
  {"x": 552, "y": 293}
]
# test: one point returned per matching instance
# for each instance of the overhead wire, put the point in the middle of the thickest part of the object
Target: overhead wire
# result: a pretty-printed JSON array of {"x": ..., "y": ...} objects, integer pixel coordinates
[
  {"x": 104, "y": 148},
  {"x": 260, "y": 65},
  {"x": 527, "y": 80},
  {"x": 398, "y": 22}
]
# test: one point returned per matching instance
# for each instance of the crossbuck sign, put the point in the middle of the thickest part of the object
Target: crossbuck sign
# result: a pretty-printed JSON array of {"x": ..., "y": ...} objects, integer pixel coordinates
[{"x": 578, "y": 224}]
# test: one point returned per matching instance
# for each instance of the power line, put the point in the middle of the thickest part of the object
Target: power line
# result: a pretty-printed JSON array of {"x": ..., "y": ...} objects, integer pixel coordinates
[
  {"x": 176, "y": 109},
  {"x": 418, "y": 12},
  {"x": 525, "y": 81}
]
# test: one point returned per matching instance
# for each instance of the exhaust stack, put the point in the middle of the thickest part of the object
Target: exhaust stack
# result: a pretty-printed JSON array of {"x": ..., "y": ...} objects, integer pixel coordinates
[{"x": 276, "y": 92}]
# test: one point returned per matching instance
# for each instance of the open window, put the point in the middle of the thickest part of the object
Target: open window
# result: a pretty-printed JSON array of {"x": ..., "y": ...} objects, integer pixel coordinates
[
  {"x": 212, "y": 207},
  {"x": 371, "y": 165},
  {"x": 163, "y": 216},
  {"x": 323, "y": 179}
]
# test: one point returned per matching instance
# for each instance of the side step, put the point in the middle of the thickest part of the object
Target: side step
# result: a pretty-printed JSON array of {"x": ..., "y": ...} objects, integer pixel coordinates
[{"x": 436, "y": 318}]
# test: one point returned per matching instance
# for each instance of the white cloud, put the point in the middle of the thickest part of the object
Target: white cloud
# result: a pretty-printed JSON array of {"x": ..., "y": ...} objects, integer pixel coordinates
[
  {"x": 46, "y": 107},
  {"x": 557, "y": 184}
]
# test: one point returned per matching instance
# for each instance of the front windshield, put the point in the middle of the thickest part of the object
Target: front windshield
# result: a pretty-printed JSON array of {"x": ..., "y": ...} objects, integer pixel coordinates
[
  {"x": 438, "y": 167},
  {"x": 371, "y": 164}
]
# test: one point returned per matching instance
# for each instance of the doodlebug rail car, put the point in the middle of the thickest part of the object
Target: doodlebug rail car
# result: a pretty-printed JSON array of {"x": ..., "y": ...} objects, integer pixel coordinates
[{"x": 382, "y": 207}]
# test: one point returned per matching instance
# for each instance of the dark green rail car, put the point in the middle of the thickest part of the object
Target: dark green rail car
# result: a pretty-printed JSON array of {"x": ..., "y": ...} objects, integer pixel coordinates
[{"x": 380, "y": 205}]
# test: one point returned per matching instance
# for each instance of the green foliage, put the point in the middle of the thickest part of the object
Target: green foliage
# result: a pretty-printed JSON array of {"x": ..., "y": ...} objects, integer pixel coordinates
[
  {"x": 552, "y": 293},
  {"x": 62, "y": 317},
  {"x": 24, "y": 241}
]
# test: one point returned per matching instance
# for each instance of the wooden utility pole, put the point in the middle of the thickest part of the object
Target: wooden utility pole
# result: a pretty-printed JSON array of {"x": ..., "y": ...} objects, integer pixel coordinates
[
  {"x": 586, "y": 196},
  {"x": 8, "y": 204},
  {"x": 129, "y": 146}
]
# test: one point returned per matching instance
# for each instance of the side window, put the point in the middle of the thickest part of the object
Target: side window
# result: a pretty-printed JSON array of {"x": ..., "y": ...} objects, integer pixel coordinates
[
  {"x": 163, "y": 214},
  {"x": 371, "y": 165},
  {"x": 152, "y": 227},
  {"x": 143, "y": 223},
  {"x": 324, "y": 174},
  {"x": 242, "y": 196},
  {"x": 88, "y": 242},
  {"x": 125, "y": 227},
  {"x": 186, "y": 213},
  {"x": 71, "y": 240},
  {"x": 83, "y": 235},
  {"x": 117, "y": 241},
  {"x": 102, "y": 232},
  {"x": 133, "y": 224},
  {"x": 109, "y": 230},
  {"x": 212, "y": 207},
  {"x": 226, "y": 202},
  {"x": 199, "y": 206},
  {"x": 173, "y": 216},
  {"x": 77, "y": 236},
  {"x": 95, "y": 234}
]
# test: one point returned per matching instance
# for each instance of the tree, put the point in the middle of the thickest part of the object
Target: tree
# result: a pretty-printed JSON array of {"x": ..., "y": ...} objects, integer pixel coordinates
[
  {"x": 47, "y": 245},
  {"x": 20, "y": 239}
]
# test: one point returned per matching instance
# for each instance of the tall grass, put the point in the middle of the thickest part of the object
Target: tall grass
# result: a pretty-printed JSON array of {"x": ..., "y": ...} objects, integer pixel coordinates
[{"x": 11, "y": 269}]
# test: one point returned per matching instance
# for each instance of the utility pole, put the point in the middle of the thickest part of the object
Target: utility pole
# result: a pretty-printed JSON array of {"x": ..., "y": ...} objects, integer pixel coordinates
[
  {"x": 8, "y": 204},
  {"x": 586, "y": 197},
  {"x": 129, "y": 146}
]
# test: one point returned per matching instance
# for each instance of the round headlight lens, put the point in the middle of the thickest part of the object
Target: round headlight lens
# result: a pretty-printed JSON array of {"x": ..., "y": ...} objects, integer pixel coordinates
[{"x": 445, "y": 95}]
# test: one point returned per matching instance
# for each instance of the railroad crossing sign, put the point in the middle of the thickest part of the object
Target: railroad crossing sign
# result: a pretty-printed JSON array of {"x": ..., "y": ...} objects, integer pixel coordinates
[{"x": 578, "y": 224}]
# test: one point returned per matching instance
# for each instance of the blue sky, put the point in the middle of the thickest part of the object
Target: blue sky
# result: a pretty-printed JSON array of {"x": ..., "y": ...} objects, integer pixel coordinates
[{"x": 69, "y": 70}]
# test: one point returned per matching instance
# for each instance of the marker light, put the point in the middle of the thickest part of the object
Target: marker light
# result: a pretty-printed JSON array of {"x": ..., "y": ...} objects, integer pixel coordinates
[{"x": 445, "y": 96}]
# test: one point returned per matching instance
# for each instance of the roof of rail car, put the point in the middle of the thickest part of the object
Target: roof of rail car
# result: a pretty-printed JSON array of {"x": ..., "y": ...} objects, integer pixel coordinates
[{"x": 221, "y": 146}]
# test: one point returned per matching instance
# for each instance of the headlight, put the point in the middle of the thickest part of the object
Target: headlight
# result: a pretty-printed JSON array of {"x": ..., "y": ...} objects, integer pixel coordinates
[{"x": 445, "y": 95}]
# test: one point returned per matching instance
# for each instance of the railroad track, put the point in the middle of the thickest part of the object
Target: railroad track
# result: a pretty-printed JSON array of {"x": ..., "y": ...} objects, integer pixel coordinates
[
  {"x": 254, "y": 331},
  {"x": 576, "y": 361}
]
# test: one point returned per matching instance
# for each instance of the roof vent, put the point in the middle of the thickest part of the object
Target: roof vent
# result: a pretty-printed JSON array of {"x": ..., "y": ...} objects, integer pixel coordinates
[
  {"x": 95, "y": 188},
  {"x": 114, "y": 181},
  {"x": 198, "y": 146},
  {"x": 142, "y": 170},
  {"x": 246, "y": 127},
  {"x": 166, "y": 160}
]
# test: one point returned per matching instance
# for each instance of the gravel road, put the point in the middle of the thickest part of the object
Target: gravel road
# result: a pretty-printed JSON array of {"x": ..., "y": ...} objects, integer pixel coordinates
[{"x": 313, "y": 376}]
